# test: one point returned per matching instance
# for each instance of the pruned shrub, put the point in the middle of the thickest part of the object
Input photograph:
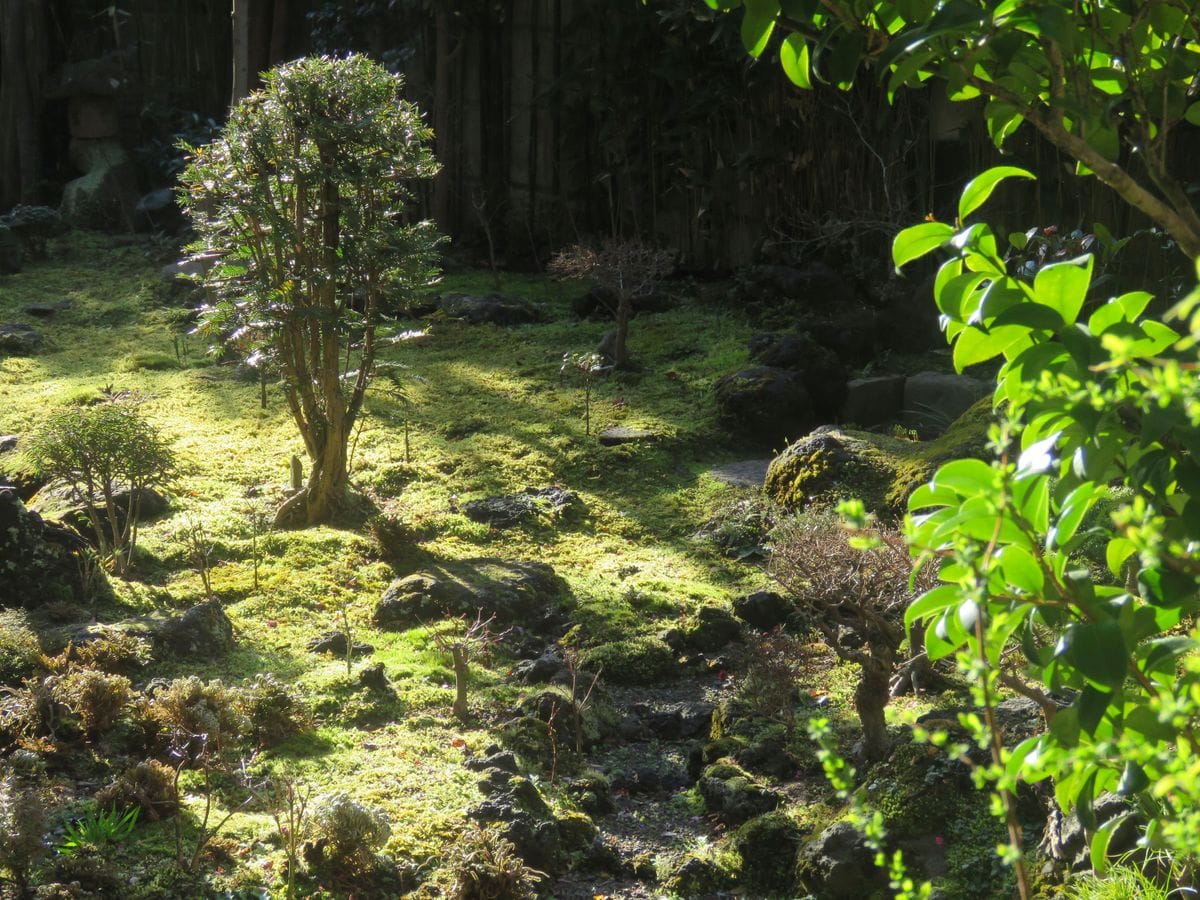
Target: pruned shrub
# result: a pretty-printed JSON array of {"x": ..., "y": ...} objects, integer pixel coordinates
[
  {"x": 22, "y": 817},
  {"x": 273, "y": 711},
  {"x": 348, "y": 833},
  {"x": 769, "y": 672},
  {"x": 96, "y": 698},
  {"x": 149, "y": 786},
  {"x": 19, "y": 649},
  {"x": 856, "y": 598},
  {"x": 486, "y": 866},
  {"x": 189, "y": 708},
  {"x": 115, "y": 652}
]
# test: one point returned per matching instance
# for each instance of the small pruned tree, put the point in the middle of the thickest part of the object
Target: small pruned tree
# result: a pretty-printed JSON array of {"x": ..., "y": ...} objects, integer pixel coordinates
[
  {"x": 855, "y": 592},
  {"x": 111, "y": 456},
  {"x": 629, "y": 269},
  {"x": 464, "y": 641},
  {"x": 304, "y": 200}
]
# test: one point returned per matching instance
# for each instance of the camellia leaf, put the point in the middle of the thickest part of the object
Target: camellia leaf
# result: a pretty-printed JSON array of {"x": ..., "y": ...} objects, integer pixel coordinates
[
  {"x": 793, "y": 57},
  {"x": 1064, "y": 286},
  {"x": 980, "y": 187},
  {"x": 756, "y": 31},
  {"x": 1102, "y": 838},
  {"x": 1097, "y": 650},
  {"x": 919, "y": 240}
]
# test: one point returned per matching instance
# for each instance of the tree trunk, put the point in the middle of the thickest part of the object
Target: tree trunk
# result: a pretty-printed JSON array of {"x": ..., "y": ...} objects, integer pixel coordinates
[
  {"x": 462, "y": 672},
  {"x": 870, "y": 700},
  {"x": 441, "y": 119},
  {"x": 324, "y": 496},
  {"x": 22, "y": 62},
  {"x": 620, "y": 348},
  {"x": 241, "y": 51}
]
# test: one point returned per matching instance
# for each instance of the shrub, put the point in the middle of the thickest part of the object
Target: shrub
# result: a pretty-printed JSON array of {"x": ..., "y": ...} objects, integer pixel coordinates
[
  {"x": 110, "y": 455},
  {"x": 272, "y": 710},
  {"x": 637, "y": 660},
  {"x": 149, "y": 786},
  {"x": 95, "y": 698},
  {"x": 22, "y": 818},
  {"x": 349, "y": 833},
  {"x": 486, "y": 866},
  {"x": 189, "y": 708},
  {"x": 303, "y": 200},
  {"x": 856, "y": 598},
  {"x": 770, "y": 670},
  {"x": 20, "y": 650},
  {"x": 115, "y": 652}
]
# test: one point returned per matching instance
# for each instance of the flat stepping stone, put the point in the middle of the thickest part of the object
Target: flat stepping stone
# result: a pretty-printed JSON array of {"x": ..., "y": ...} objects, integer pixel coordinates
[
  {"x": 623, "y": 434},
  {"x": 17, "y": 337},
  {"x": 46, "y": 310},
  {"x": 743, "y": 473}
]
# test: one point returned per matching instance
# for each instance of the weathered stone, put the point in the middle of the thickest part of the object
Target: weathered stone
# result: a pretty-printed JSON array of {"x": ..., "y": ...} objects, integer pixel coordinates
[
  {"x": 495, "y": 309},
  {"x": 696, "y": 876},
  {"x": 513, "y": 590},
  {"x": 38, "y": 560},
  {"x": 636, "y": 660},
  {"x": 764, "y": 406},
  {"x": 104, "y": 196},
  {"x": 19, "y": 338},
  {"x": 335, "y": 642},
  {"x": 33, "y": 226},
  {"x": 93, "y": 117},
  {"x": 102, "y": 77},
  {"x": 873, "y": 401},
  {"x": 624, "y": 434},
  {"x": 762, "y": 609},
  {"x": 731, "y": 793},
  {"x": 204, "y": 630},
  {"x": 768, "y": 847},
  {"x": 47, "y": 310},
  {"x": 711, "y": 629},
  {"x": 934, "y": 400},
  {"x": 817, "y": 283},
  {"x": 546, "y": 668},
  {"x": 744, "y": 473},
  {"x": 881, "y": 470},
  {"x": 8, "y": 442},
  {"x": 1066, "y": 841},
  {"x": 839, "y": 865},
  {"x": 512, "y": 509},
  {"x": 824, "y": 374}
]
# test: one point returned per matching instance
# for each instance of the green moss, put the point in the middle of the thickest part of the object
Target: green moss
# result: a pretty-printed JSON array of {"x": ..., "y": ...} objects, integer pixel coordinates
[
  {"x": 768, "y": 846},
  {"x": 638, "y": 660},
  {"x": 150, "y": 360},
  {"x": 879, "y": 469}
]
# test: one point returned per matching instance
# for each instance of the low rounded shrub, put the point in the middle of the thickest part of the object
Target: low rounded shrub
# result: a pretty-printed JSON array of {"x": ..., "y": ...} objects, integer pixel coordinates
[{"x": 348, "y": 833}]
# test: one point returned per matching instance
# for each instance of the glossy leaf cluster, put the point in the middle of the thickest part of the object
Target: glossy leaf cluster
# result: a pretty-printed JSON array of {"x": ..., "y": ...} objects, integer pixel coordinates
[{"x": 1070, "y": 565}]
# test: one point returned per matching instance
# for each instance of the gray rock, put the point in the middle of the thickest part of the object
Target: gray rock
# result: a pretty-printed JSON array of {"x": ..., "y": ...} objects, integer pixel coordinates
[
  {"x": 762, "y": 609},
  {"x": 873, "y": 401},
  {"x": 38, "y": 560},
  {"x": 712, "y": 628},
  {"x": 33, "y": 227},
  {"x": 495, "y": 309},
  {"x": 749, "y": 473},
  {"x": 733, "y": 795},
  {"x": 19, "y": 338},
  {"x": 335, "y": 642},
  {"x": 8, "y": 442},
  {"x": 624, "y": 434},
  {"x": 104, "y": 197},
  {"x": 1066, "y": 841},
  {"x": 513, "y": 509},
  {"x": 839, "y": 865},
  {"x": 204, "y": 630},
  {"x": 934, "y": 400},
  {"x": 46, "y": 310},
  {"x": 764, "y": 406},
  {"x": 824, "y": 374},
  {"x": 543, "y": 670},
  {"x": 98, "y": 77}
]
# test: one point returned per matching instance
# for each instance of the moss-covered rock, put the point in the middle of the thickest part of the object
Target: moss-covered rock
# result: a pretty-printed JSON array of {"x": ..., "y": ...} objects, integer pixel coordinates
[
  {"x": 733, "y": 794},
  {"x": 711, "y": 628},
  {"x": 696, "y": 876},
  {"x": 768, "y": 848},
  {"x": 916, "y": 788},
  {"x": 639, "y": 660},
  {"x": 879, "y": 469}
]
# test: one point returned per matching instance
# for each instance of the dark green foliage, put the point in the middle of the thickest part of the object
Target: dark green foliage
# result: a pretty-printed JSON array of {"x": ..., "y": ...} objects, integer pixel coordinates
[
  {"x": 638, "y": 660},
  {"x": 273, "y": 711},
  {"x": 486, "y": 867},
  {"x": 96, "y": 699},
  {"x": 148, "y": 786},
  {"x": 20, "y": 649},
  {"x": 97, "y": 829},
  {"x": 768, "y": 848}
]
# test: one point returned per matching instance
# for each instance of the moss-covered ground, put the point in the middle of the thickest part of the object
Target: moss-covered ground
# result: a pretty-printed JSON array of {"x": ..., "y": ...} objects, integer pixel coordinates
[{"x": 485, "y": 411}]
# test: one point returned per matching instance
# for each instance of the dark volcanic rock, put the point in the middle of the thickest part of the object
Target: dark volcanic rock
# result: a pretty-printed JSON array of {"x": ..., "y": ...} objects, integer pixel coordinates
[
  {"x": 839, "y": 865},
  {"x": 335, "y": 642},
  {"x": 732, "y": 794},
  {"x": 824, "y": 374},
  {"x": 712, "y": 628},
  {"x": 512, "y": 509},
  {"x": 38, "y": 560},
  {"x": 764, "y": 406},
  {"x": 762, "y": 609},
  {"x": 204, "y": 630},
  {"x": 19, "y": 338}
]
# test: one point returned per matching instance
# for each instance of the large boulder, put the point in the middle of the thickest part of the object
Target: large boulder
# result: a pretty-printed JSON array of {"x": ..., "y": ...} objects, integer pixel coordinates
[
  {"x": 18, "y": 338},
  {"x": 203, "y": 631},
  {"x": 496, "y": 309},
  {"x": 764, "y": 406},
  {"x": 839, "y": 865},
  {"x": 934, "y": 400},
  {"x": 733, "y": 794},
  {"x": 870, "y": 402},
  {"x": 39, "y": 561},
  {"x": 105, "y": 196},
  {"x": 824, "y": 374},
  {"x": 880, "y": 470},
  {"x": 33, "y": 226},
  {"x": 768, "y": 848},
  {"x": 515, "y": 591},
  {"x": 528, "y": 505}
]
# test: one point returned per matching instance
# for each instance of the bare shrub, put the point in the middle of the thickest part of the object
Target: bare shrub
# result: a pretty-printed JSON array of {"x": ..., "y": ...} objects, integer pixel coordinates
[{"x": 856, "y": 598}]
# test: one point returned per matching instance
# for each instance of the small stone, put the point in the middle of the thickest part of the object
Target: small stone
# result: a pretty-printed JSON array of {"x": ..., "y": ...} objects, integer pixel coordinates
[
  {"x": 751, "y": 473},
  {"x": 624, "y": 434},
  {"x": 335, "y": 642},
  {"x": 762, "y": 609},
  {"x": 19, "y": 338}
]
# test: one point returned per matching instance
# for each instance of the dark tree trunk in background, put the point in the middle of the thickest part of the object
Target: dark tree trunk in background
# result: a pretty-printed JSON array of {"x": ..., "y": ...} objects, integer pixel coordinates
[
  {"x": 441, "y": 121},
  {"x": 240, "y": 17},
  {"x": 23, "y": 63}
]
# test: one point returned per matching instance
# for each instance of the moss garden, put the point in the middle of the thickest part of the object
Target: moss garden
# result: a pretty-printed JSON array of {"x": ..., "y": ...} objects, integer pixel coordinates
[{"x": 605, "y": 710}]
